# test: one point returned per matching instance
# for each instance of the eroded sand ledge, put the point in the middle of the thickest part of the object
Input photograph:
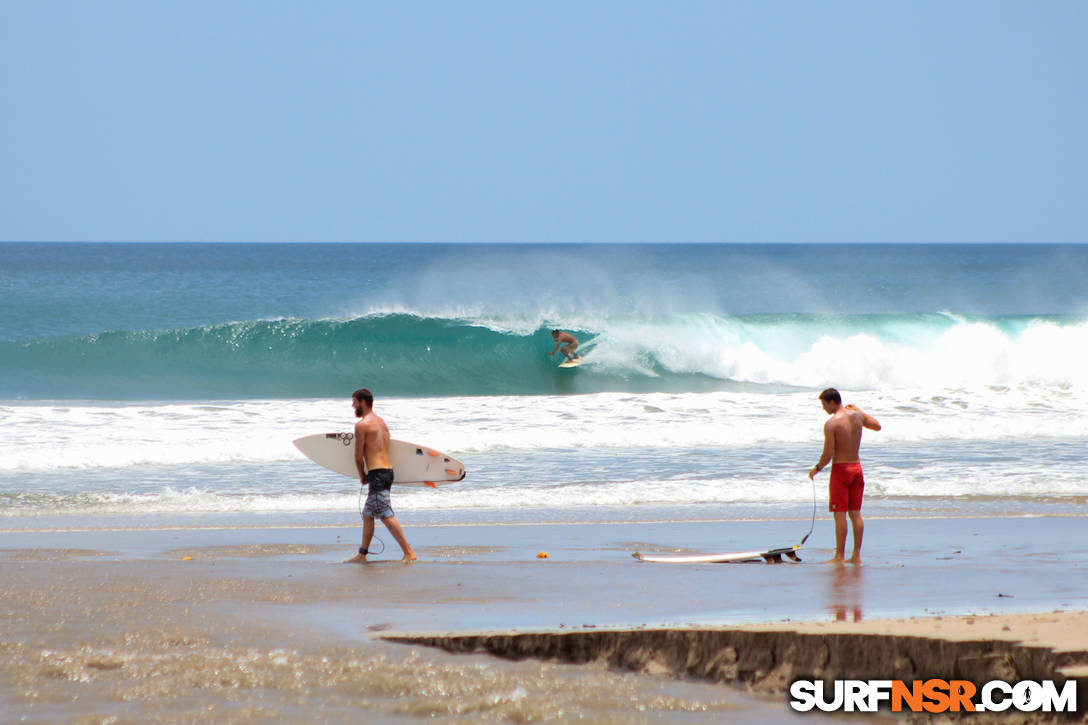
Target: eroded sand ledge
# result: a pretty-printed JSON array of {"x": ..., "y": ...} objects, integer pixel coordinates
[{"x": 768, "y": 661}]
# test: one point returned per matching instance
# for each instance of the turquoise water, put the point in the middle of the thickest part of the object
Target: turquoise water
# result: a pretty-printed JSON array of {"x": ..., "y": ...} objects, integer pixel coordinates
[
  {"x": 169, "y": 380},
  {"x": 184, "y": 322}
]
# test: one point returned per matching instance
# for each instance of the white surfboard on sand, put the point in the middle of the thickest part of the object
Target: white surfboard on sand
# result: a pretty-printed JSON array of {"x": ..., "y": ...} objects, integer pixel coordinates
[
  {"x": 571, "y": 363},
  {"x": 413, "y": 465},
  {"x": 771, "y": 556}
]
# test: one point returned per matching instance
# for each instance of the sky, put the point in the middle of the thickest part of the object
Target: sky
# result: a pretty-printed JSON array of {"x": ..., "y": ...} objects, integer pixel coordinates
[{"x": 590, "y": 121}]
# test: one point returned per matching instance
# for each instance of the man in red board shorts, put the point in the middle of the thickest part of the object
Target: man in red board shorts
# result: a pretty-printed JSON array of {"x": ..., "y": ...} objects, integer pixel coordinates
[{"x": 842, "y": 441}]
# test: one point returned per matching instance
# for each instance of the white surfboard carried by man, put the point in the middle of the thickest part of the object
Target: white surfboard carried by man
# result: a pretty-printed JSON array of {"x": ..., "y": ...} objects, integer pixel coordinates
[{"x": 413, "y": 465}]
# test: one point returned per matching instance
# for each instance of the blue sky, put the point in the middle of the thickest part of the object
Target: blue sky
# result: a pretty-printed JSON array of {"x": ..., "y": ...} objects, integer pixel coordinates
[{"x": 520, "y": 121}]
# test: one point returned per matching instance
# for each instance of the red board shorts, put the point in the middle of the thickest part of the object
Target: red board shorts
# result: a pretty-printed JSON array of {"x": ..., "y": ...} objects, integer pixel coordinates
[{"x": 845, "y": 487}]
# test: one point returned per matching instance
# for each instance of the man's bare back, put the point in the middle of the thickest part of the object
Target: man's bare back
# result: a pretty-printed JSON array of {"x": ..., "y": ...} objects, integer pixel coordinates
[
  {"x": 844, "y": 430},
  {"x": 842, "y": 434},
  {"x": 371, "y": 444}
]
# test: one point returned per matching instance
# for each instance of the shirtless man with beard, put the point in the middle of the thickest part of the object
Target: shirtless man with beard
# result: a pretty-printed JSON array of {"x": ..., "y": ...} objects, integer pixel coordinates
[{"x": 375, "y": 470}]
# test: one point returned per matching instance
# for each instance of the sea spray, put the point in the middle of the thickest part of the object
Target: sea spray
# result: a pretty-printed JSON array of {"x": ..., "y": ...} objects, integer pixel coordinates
[{"x": 404, "y": 354}]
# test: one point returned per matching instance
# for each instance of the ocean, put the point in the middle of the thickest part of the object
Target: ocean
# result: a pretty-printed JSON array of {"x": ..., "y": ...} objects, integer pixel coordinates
[{"x": 154, "y": 384}]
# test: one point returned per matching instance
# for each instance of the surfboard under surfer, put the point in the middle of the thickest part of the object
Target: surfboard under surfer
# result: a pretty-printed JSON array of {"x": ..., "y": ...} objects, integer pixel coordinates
[
  {"x": 569, "y": 348},
  {"x": 842, "y": 444},
  {"x": 376, "y": 471}
]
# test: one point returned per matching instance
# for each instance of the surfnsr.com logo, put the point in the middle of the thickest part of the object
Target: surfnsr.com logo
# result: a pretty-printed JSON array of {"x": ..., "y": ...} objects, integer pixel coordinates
[{"x": 934, "y": 696}]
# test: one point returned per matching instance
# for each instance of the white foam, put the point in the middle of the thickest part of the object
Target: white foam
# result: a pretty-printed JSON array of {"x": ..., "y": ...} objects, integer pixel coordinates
[
  {"x": 183, "y": 501},
  {"x": 898, "y": 355},
  {"x": 944, "y": 350},
  {"x": 50, "y": 437},
  {"x": 656, "y": 492},
  {"x": 792, "y": 490}
]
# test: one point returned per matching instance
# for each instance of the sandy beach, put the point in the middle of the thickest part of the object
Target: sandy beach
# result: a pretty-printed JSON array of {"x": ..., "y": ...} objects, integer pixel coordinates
[
  {"x": 221, "y": 221},
  {"x": 219, "y": 624}
]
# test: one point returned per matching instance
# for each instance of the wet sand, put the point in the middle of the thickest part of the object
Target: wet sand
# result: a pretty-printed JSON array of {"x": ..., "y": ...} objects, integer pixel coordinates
[{"x": 246, "y": 625}]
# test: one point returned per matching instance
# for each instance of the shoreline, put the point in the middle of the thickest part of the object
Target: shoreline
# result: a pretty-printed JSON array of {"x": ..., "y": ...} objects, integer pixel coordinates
[
  {"x": 243, "y": 622},
  {"x": 333, "y": 519}
]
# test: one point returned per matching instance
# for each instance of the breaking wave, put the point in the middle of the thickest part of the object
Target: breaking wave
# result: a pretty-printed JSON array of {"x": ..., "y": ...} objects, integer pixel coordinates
[{"x": 400, "y": 353}]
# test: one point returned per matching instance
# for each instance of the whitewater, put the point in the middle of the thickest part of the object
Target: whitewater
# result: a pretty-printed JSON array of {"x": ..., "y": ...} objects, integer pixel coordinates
[
  {"x": 409, "y": 354},
  {"x": 151, "y": 381}
]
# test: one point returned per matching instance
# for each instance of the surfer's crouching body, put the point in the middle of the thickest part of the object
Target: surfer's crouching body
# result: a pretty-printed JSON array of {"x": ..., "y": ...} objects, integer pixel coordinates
[
  {"x": 569, "y": 349},
  {"x": 376, "y": 470}
]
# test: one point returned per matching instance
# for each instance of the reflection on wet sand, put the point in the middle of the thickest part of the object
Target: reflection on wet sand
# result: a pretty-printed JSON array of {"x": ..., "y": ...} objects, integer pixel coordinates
[{"x": 845, "y": 592}]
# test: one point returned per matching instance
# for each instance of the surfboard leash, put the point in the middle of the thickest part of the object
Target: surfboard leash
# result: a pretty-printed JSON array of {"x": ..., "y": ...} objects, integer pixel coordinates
[
  {"x": 375, "y": 536},
  {"x": 813, "y": 524}
]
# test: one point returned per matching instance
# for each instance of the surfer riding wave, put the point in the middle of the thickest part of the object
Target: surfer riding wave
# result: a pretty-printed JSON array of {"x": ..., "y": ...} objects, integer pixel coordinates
[{"x": 569, "y": 348}]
